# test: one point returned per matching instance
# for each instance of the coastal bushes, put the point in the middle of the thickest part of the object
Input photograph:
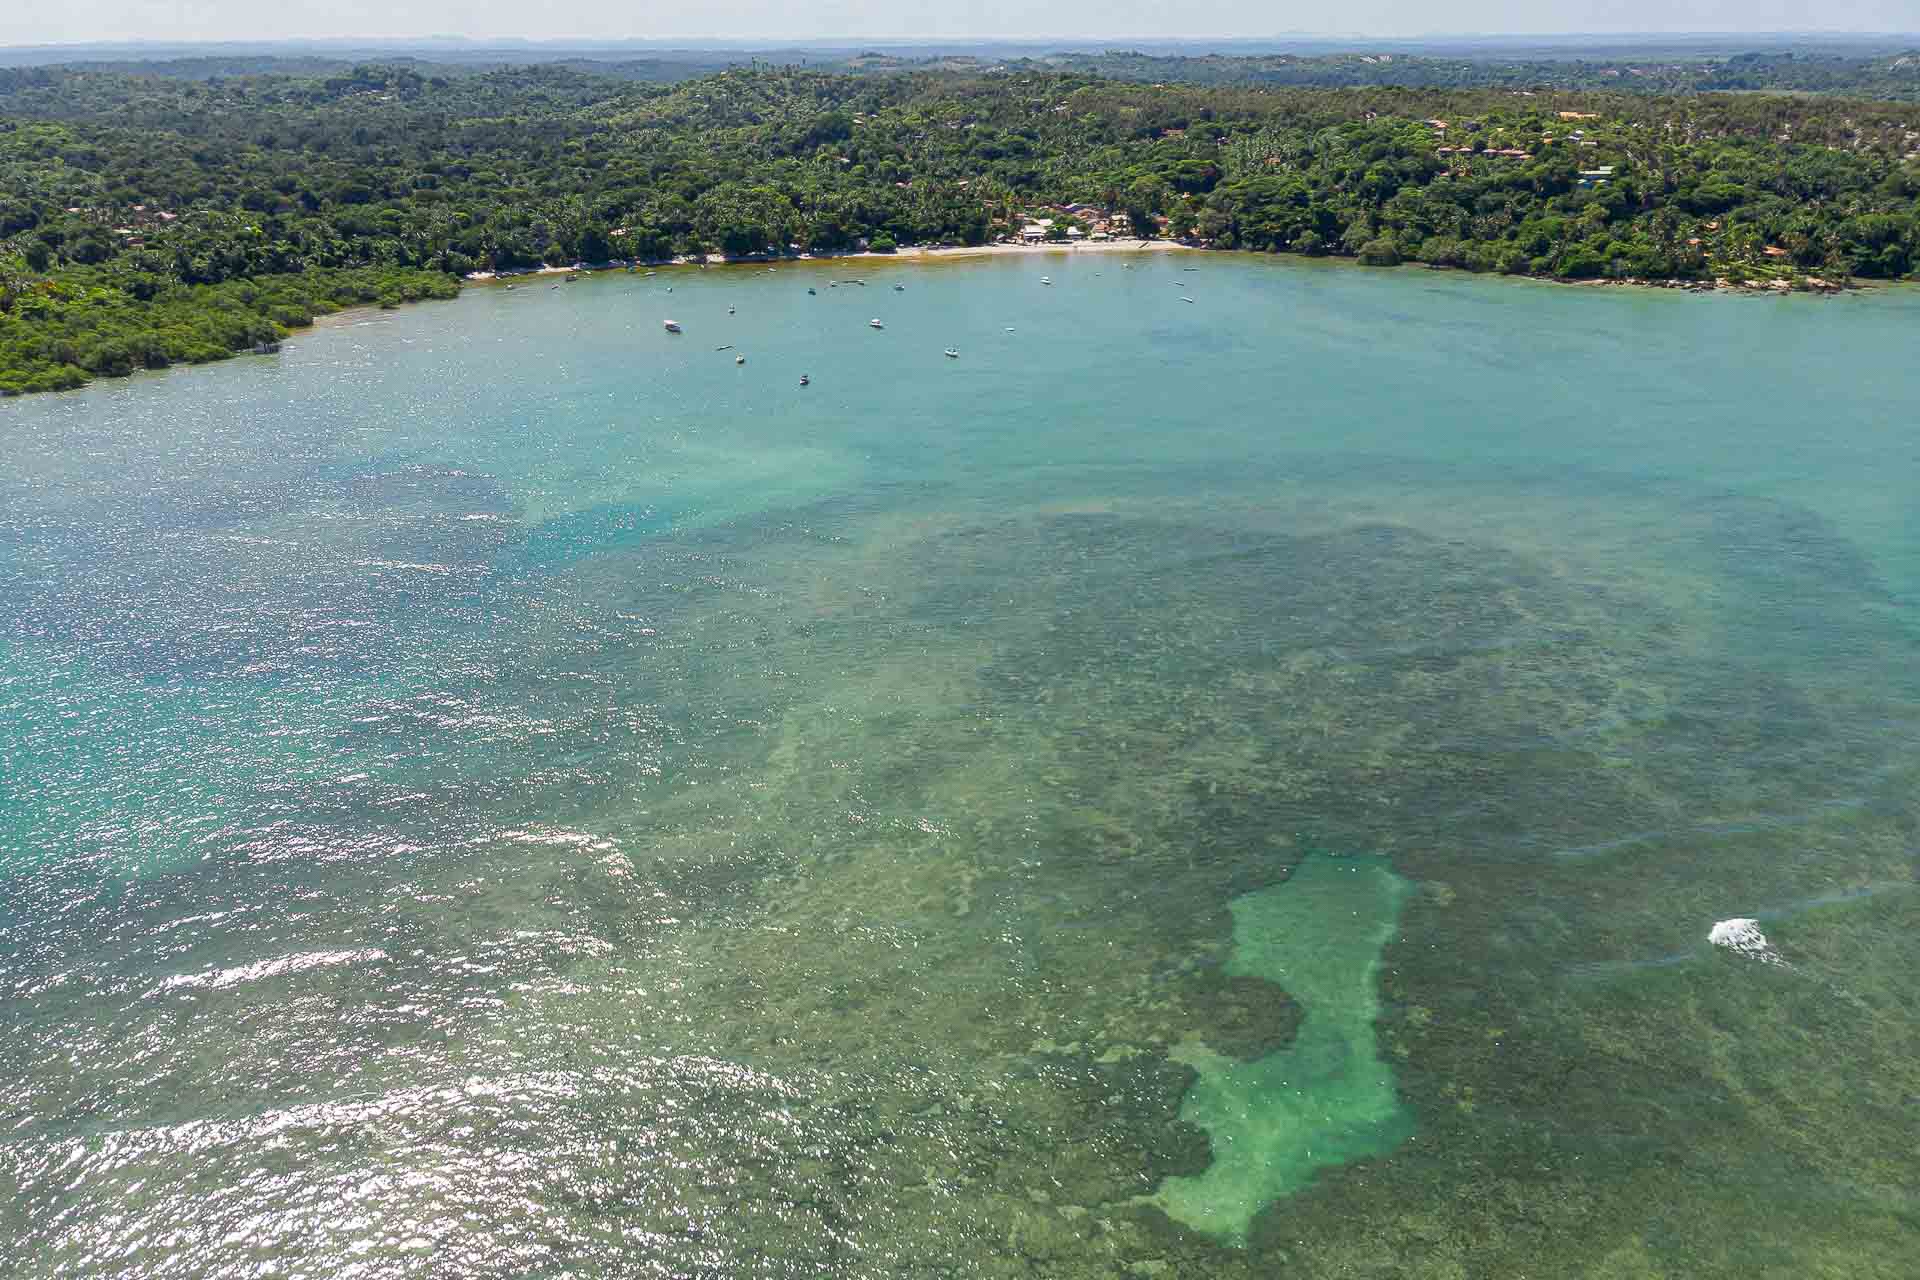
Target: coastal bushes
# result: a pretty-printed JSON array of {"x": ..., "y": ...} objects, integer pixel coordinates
[
  {"x": 1378, "y": 252},
  {"x": 56, "y": 334}
]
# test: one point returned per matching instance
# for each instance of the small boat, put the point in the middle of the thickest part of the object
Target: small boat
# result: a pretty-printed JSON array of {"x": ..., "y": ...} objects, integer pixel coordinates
[
  {"x": 875, "y": 323},
  {"x": 653, "y": 273},
  {"x": 509, "y": 288},
  {"x": 952, "y": 354},
  {"x": 1009, "y": 328},
  {"x": 1186, "y": 299},
  {"x": 899, "y": 288},
  {"x": 1046, "y": 279},
  {"x": 669, "y": 288},
  {"x": 810, "y": 291},
  {"x": 727, "y": 347},
  {"x": 672, "y": 326},
  {"x": 729, "y": 310},
  {"x": 739, "y": 359},
  {"x": 571, "y": 279},
  {"x": 804, "y": 379}
]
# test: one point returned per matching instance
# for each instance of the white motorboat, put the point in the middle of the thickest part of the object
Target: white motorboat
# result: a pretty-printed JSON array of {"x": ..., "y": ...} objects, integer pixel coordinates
[
  {"x": 875, "y": 323},
  {"x": 672, "y": 326}
]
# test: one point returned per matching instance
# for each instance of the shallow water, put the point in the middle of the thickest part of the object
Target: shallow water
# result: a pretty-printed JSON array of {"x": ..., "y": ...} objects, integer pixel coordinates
[{"x": 500, "y": 790}]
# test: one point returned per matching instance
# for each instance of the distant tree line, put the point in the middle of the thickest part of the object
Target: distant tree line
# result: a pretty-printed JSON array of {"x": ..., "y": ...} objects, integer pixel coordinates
[{"x": 1893, "y": 75}]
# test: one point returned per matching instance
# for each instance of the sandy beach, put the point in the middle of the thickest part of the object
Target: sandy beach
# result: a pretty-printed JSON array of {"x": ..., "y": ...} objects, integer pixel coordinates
[
  {"x": 1069, "y": 247},
  {"x": 908, "y": 251}
]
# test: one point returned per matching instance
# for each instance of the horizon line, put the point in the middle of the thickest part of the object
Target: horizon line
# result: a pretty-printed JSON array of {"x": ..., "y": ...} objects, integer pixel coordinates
[{"x": 695, "y": 42}]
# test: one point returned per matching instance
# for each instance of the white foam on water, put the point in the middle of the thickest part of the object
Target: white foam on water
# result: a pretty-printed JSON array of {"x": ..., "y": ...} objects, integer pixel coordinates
[{"x": 1744, "y": 936}]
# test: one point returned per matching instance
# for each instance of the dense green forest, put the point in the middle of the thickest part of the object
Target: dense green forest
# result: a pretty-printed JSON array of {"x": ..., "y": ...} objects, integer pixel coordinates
[
  {"x": 1894, "y": 75},
  {"x": 1858, "y": 67},
  {"x": 152, "y": 219}
]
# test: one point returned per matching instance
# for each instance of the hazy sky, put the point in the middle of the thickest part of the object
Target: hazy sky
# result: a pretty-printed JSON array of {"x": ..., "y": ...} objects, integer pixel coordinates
[{"x": 66, "y": 21}]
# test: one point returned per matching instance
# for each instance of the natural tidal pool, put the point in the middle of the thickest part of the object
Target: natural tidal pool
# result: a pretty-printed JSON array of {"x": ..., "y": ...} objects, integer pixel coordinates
[{"x": 1179, "y": 790}]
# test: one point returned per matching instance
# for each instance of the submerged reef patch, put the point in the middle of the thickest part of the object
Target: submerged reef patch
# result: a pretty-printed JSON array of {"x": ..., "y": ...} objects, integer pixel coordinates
[{"x": 1327, "y": 1098}]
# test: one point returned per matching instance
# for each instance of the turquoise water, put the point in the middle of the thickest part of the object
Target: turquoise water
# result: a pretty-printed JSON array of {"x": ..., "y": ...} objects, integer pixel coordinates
[
  {"x": 499, "y": 790},
  {"x": 1327, "y": 1098}
]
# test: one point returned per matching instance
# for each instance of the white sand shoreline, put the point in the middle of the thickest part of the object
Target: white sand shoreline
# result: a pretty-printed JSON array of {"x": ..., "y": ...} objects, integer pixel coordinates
[
  {"x": 1771, "y": 288},
  {"x": 905, "y": 252},
  {"x": 979, "y": 250}
]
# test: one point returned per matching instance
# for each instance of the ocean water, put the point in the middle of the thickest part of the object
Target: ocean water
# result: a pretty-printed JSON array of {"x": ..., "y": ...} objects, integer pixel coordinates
[{"x": 1184, "y": 789}]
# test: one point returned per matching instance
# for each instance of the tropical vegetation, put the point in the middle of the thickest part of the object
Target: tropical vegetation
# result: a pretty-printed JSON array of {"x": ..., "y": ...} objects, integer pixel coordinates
[{"x": 147, "y": 220}]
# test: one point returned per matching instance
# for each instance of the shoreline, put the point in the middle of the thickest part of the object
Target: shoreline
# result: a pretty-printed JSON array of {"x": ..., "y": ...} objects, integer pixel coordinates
[
  {"x": 1720, "y": 285},
  {"x": 903, "y": 253},
  {"x": 1016, "y": 250}
]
